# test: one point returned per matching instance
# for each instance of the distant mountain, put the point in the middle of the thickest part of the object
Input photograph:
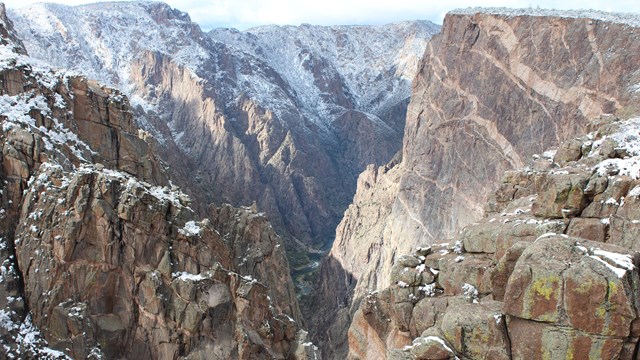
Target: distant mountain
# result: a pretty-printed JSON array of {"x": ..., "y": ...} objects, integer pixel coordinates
[{"x": 282, "y": 116}]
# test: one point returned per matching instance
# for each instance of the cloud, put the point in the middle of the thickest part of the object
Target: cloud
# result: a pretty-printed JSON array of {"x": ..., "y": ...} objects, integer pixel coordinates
[{"x": 243, "y": 14}]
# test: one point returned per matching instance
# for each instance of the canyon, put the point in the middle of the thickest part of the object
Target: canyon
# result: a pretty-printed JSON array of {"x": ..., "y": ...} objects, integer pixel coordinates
[
  {"x": 466, "y": 191},
  {"x": 280, "y": 116}
]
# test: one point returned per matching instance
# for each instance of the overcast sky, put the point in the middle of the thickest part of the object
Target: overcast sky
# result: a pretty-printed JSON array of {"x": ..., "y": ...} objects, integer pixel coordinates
[{"x": 243, "y": 14}]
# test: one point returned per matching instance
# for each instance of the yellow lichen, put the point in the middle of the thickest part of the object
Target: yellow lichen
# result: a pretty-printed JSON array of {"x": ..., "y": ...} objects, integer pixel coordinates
[
  {"x": 544, "y": 286},
  {"x": 585, "y": 287},
  {"x": 569, "y": 355},
  {"x": 613, "y": 288}
]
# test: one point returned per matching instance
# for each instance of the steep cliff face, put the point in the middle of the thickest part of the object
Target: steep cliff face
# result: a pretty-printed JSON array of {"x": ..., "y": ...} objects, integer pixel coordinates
[
  {"x": 493, "y": 88},
  {"x": 286, "y": 117},
  {"x": 102, "y": 257},
  {"x": 526, "y": 82},
  {"x": 551, "y": 272}
]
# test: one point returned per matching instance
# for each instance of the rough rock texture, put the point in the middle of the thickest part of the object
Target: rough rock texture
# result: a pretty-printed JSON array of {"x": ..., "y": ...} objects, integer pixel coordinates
[
  {"x": 491, "y": 91},
  {"x": 102, "y": 257},
  {"x": 547, "y": 295},
  {"x": 285, "y": 117}
]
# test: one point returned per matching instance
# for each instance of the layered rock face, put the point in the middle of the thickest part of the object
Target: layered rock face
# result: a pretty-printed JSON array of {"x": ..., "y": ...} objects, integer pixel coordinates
[
  {"x": 550, "y": 272},
  {"x": 493, "y": 89},
  {"x": 102, "y": 257},
  {"x": 283, "y": 116}
]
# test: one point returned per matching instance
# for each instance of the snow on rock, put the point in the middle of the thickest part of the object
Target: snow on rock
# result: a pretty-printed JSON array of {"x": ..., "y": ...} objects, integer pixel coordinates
[
  {"x": 635, "y": 192},
  {"x": 132, "y": 184},
  {"x": 362, "y": 57},
  {"x": 429, "y": 290},
  {"x": 620, "y": 260},
  {"x": 630, "y": 19},
  {"x": 190, "y": 229},
  {"x": 372, "y": 66},
  {"x": 185, "y": 276},
  {"x": 470, "y": 291},
  {"x": 100, "y": 29},
  {"x": 618, "y": 263},
  {"x": 426, "y": 339},
  {"x": 628, "y": 139},
  {"x": 29, "y": 339},
  {"x": 16, "y": 111}
]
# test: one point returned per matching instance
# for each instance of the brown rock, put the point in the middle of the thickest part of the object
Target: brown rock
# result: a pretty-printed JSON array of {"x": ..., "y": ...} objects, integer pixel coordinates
[
  {"x": 428, "y": 312},
  {"x": 431, "y": 347},
  {"x": 561, "y": 196},
  {"x": 608, "y": 202},
  {"x": 624, "y": 233},
  {"x": 500, "y": 276},
  {"x": 477, "y": 331},
  {"x": 568, "y": 151},
  {"x": 454, "y": 275},
  {"x": 117, "y": 262},
  {"x": 553, "y": 276},
  {"x": 373, "y": 330},
  {"x": 535, "y": 340},
  {"x": 588, "y": 228}
]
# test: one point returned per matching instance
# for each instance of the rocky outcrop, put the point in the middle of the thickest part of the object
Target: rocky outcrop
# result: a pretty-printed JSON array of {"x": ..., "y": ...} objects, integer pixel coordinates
[
  {"x": 102, "y": 257},
  {"x": 267, "y": 115},
  {"x": 521, "y": 283},
  {"x": 493, "y": 88}
]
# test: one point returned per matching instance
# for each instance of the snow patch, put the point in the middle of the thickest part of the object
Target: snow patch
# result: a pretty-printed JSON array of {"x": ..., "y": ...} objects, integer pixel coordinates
[
  {"x": 190, "y": 229},
  {"x": 635, "y": 192},
  {"x": 185, "y": 276},
  {"x": 470, "y": 292},
  {"x": 619, "y": 264},
  {"x": 426, "y": 339}
]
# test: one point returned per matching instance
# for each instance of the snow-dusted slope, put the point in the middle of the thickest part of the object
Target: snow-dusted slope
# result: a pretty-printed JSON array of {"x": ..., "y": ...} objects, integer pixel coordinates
[
  {"x": 283, "y": 116},
  {"x": 100, "y": 40},
  {"x": 371, "y": 67}
]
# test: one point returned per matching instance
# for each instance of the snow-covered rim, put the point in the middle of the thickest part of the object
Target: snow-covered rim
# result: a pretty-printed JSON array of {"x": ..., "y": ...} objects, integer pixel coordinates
[{"x": 630, "y": 19}]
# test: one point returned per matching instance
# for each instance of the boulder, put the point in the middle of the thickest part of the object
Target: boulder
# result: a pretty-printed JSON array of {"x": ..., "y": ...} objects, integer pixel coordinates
[
  {"x": 588, "y": 228},
  {"x": 428, "y": 312},
  {"x": 477, "y": 331},
  {"x": 625, "y": 233},
  {"x": 568, "y": 282},
  {"x": 504, "y": 268},
  {"x": 472, "y": 270},
  {"x": 431, "y": 347},
  {"x": 532, "y": 340},
  {"x": 562, "y": 195},
  {"x": 568, "y": 151}
]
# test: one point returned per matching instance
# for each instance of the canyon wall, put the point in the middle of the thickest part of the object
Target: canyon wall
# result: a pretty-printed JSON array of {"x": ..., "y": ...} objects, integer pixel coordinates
[
  {"x": 494, "y": 87},
  {"x": 101, "y": 256}
]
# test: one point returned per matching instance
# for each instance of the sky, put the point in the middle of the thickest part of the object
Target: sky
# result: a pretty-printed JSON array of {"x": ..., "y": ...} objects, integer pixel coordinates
[{"x": 243, "y": 14}]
